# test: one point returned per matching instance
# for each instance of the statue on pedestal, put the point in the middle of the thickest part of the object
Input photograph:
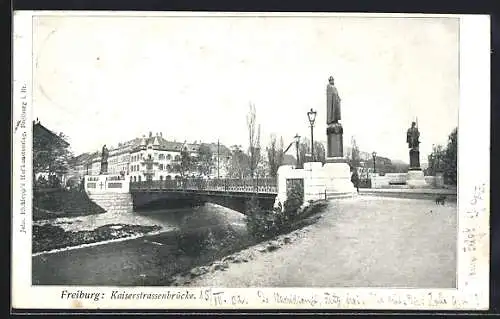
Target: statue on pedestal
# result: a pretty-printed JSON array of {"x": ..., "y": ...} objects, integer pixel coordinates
[
  {"x": 104, "y": 160},
  {"x": 334, "y": 129},
  {"x": 412, "y": 138}
]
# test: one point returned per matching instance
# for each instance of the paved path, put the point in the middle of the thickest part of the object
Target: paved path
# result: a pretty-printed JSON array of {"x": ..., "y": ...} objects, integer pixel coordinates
[{"x": 362, "y": 242}]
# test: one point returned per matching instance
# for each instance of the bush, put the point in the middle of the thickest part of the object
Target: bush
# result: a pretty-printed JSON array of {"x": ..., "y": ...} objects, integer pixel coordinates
[
  {"x": 293, "y": 203},
  {"x": 256, "y": 221},
  {"x": 264, "y": 224}
]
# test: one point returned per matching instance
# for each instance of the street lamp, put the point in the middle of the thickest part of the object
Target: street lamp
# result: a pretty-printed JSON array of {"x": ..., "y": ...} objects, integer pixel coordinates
[
  {"x": 374, "y": 155},
  {"x": 312, "y": 117},
  {"x": 297, "y": 141}
]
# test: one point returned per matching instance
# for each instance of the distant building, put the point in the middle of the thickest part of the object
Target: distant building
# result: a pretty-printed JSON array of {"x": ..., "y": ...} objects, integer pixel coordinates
[
  {"x": 148, "y": 158},
  {"x": 221, "y": 156}
]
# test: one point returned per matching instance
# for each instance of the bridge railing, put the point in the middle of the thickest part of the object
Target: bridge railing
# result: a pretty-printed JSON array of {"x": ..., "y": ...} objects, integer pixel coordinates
[{"x": 259, "y": 185}]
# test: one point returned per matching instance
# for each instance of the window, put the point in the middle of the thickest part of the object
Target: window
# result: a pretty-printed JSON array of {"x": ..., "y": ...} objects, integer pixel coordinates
[
  {"x": 169, "y": 156},
  {"x": 161, "y": 157},
  {"x": 161, "y": 178},
  {"x": 135, "y": 179},
  {"x": 161, "y": 167},
  {"x": 139, "y": 178},
  {"x": 131, "y": 178}
]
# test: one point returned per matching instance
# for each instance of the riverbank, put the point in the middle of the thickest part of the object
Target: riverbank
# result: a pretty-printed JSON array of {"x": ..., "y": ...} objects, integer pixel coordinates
[
  {"x": 48, "y": 237},
  {"x": 308, "y": 215},
  {"x": 247, "y": 255},
  {"x": 186, "y": 241},
  {"x": 360, "y": 242}
]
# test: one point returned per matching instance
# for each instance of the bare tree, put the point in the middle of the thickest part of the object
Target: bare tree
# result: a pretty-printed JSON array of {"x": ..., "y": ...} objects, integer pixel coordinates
[
  {"x": 304, "y": 151},
  {"x": 353, "y": 155},
  {"x": 275, "y": 155},
  {"x": 319, "y": 152},
  {"x": 253, "y": 139},
  {"x": 238, "y": 163}
]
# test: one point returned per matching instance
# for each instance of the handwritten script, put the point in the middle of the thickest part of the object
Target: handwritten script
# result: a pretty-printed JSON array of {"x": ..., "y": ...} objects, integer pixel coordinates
[
  {"x": 270, "y": 298},
  {"x": 472, "y": 234}
]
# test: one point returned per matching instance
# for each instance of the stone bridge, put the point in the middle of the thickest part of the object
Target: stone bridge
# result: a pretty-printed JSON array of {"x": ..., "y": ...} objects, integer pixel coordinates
[{"x": 230, "y": 193}]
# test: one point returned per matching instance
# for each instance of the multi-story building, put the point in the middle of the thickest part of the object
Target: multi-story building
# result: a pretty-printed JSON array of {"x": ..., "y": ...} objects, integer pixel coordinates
[{"x": 150, "y": 158}]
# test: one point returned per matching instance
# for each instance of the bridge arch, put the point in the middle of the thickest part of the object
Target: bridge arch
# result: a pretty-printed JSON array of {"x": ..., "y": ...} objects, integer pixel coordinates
[{"x": 230, "y": 193}]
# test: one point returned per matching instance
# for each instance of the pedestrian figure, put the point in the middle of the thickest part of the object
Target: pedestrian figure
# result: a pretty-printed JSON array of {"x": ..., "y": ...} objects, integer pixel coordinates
[{"x": 355, "y": 179}]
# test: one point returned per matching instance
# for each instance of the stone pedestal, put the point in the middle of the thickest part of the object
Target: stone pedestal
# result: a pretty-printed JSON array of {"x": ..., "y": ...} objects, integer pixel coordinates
[
  {"x": 414, "y": 159},
  {"x": 337, "y": 180},
  {"x": 329, "y": 181},
  {"x": 104, "y": 168},
  {"x": 335, "y": 146},
  {"x": 416, "y": 179}
]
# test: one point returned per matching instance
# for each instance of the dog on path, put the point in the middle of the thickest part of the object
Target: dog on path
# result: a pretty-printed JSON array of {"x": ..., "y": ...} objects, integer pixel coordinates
[{"x": 441, "y": 199}]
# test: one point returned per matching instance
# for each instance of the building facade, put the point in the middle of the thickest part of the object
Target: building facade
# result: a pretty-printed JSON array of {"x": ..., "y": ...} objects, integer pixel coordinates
[{"x": 152, "y": 158}]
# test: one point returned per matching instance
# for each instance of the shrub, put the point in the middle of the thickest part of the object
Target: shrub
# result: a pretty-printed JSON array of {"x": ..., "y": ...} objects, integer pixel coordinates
[
  {"x": 256, "y": 221},
  {"x": 293, "y": 203},
  {"x": 263, "y": 224}
]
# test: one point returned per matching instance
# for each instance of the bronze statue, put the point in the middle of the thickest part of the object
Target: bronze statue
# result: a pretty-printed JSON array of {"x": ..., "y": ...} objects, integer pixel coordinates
[
  {"x": 412, "y": 136},
  {"x": 332, "y": 103},
  {"x": 104, "y": 160}
]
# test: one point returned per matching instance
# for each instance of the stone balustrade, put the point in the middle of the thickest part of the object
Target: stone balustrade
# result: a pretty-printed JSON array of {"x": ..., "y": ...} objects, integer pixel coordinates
[{"x": 106, "y": 184}]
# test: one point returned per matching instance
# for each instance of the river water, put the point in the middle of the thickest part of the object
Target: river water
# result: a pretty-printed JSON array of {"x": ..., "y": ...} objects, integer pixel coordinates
[{"x": 190, "y": 238}]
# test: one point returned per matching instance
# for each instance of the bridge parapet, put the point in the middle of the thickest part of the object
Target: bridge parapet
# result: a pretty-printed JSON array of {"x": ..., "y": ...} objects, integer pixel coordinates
[
  {"x": 262, "y": 185},
  {"x": 106, "y": 184}
]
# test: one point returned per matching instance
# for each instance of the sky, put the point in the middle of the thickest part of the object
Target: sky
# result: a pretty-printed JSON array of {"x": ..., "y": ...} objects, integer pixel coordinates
[{"x": 104, "y": 80}]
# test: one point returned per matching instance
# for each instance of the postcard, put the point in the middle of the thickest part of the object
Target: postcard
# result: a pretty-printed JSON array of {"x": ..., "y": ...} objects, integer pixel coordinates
[{"x": 195, "y": 160}]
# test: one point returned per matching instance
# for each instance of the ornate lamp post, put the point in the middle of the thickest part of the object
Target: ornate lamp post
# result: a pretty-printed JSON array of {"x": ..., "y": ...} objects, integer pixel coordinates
[
  {"x": 297, "y": 141},
  {"x": 312, "y": 117},
  {"x": 374, "y": 155}
]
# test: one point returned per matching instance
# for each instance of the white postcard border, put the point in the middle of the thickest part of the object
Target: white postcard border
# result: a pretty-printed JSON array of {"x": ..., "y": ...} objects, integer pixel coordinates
[{"x": 473, "y": 206}]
